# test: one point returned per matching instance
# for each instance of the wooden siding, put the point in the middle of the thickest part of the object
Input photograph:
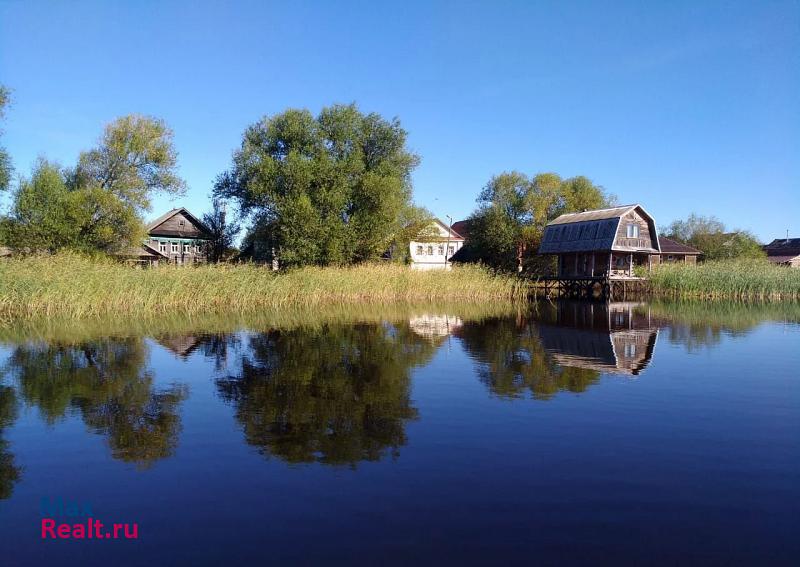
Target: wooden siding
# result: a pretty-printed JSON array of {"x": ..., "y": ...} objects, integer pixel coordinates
[
  {"x": 644, "y": 240},
  {"x": 179, "y": 226},
  {"x": 188, "y": 252}
]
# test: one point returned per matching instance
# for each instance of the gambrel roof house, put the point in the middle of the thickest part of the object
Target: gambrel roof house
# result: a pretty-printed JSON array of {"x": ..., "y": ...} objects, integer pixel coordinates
[
  {"x": 603, "y": 242},
  {"x": 600, "y": 230}
]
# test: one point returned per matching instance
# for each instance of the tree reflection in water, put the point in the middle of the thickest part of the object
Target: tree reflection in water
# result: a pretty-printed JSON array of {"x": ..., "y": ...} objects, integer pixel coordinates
[
  {"x": 107, "y": 384},
  {"x": 511, "y": 360},
  {"x": 9, "y": 471},
  {"x": 335, "y": 394}
]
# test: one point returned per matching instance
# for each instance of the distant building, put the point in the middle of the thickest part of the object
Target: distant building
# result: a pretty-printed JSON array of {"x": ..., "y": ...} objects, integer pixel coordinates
[
  {"x": 673, "y": 251},
  {"x": 143, "y": 255},
  {"x": 602, "y": 243},
  {"x": 179, "y": 236},
  {"x": 434, "y": 251},
  {"x": 784, "y": 251}
]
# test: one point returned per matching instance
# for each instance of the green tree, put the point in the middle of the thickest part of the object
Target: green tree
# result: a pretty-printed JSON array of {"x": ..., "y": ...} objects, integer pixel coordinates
[
  {"x": 98, "y": 205},
  {"x": 5, "y": 159},
  {"x": 45, "y": 214},
  {"x": 325, "y": 190},
  {"x": 709, "y": 235},
  {"x": 513, "y": 210},
  {"x": 134, "y": 159}
]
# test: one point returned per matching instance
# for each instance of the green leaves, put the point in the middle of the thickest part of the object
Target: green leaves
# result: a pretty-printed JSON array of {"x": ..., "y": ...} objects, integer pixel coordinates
[
  {"x": 5, "y": 160},
  {"x": 513, "y": 210},
  {"x": 709, "y": 235},
  {"x": 135, "y": 158},
  {"x": 96, "y": 206},
  {"x": 331, "y": 188}
]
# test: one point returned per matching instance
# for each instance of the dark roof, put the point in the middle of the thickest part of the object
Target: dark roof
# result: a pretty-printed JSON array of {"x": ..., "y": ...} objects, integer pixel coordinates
[
  {"x": 143, "y": 251},
  {"x": 595, "y": 214},
  {"x": 669, "y": 246},
  {"x": 591, "y": 231},
  {"x": 783, "y": 247},
  {"x": 462, "y": 227},
  {"x": 171, "y": 213},
  {"x": 782, "y": 259}
]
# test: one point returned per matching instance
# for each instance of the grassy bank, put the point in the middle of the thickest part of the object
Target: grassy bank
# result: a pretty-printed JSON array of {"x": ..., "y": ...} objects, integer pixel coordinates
[
  {"x": 75, "y": 286},
  {"x": 733, "y": 279}
]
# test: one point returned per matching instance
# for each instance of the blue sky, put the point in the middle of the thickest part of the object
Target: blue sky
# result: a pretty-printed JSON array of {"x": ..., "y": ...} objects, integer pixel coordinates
[{"x": 682, "y": 106}]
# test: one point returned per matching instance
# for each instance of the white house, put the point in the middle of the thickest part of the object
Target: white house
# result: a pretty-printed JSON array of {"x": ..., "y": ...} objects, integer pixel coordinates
[{"x": 434, "y": 250}]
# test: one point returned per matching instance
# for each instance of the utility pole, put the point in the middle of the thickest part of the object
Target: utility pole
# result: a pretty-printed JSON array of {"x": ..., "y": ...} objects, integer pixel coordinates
[{"x": 447, "y": 247}]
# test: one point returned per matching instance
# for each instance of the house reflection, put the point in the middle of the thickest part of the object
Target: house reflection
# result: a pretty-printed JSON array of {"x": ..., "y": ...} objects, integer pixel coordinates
[
  {"x": 180, "y": 345},
  {"x": 617, "y": 338},
  {"x": 434, "y": 326}
]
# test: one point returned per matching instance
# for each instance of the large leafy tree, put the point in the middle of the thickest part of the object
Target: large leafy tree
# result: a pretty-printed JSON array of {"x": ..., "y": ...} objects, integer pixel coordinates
[
  {"x": 45, "y": 214},
  {"x": 513, "y": 210},
  {"x": 5, "y": 159},
  {"x": 134, "y": 159},
  {"x": 710, "y": 235},
  {"x": 324, "y": 190},
  {"x": 99, "y": 204}
]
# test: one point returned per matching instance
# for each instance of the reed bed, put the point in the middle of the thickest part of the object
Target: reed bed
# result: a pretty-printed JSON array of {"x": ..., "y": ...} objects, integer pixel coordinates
[
  {"x": 69, "y": 285},
  {"x": 732, "y": 279}
]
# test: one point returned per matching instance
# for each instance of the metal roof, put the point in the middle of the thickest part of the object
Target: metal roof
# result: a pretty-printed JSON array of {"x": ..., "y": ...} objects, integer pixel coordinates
[
  {"x": 669, "y": 246},
  {"x": 595, "y": 214},
  {"x": 592, "y": 231}
]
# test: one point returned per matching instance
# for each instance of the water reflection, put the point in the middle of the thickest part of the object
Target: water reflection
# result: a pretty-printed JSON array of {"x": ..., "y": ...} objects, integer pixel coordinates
[
  {"x": 617, "y": 338},
  {"x": 107, "y": 384},
  {"x": 337, "y": 394},
  {"x": 9, "y": 471},
  {"x": 338, "y": 391}
]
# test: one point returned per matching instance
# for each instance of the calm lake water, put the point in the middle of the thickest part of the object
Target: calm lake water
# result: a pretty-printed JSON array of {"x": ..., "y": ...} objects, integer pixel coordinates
[{"x": 570, "y": 433}]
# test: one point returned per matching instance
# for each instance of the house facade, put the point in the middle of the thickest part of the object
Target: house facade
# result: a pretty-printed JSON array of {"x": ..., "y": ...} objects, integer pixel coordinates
[
  {"x": 179, "y": 236},
  {"x": 784, "y": 252},
  {"x": 434, "y": 250},
  {"x": 675, "y": 252},
  {"x": 602, "y": 243}
]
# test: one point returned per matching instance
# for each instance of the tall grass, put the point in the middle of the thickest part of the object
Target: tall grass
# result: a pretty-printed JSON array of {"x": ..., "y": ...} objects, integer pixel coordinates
[
  {"x": 743, "y": 279},
  {"x": 75, "y": 286}
]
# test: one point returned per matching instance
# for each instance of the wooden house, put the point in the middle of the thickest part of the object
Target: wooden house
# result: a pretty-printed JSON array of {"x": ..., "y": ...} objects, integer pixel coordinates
[
  {"x": 180, "y": 236},
  {"x": 602, "y": 243},
  {"x": 784, "y": 251},
  {"x": 144, "y": 255},
  {"x": 673, "y": 251},
  {"x": 435, "y": 249}
]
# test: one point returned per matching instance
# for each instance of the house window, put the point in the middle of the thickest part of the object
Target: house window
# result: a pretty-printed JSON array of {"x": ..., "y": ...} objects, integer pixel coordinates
[
  {"x": 181, "y": 222},
  {"x": 162, "y": 247},
  {"x": 187, "y": 248},
  {"x": 633, "y": 231},
  {"x": 430, "y": 250},
  {"x": 670, "y": 257},
  {"x": 441, "y": 250},
  {"x": 174, "y": 247},
  {"x": 420, "y": 251},
  {"x": 451, "y": 250},
  {"x": 630, "y": 350}
]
